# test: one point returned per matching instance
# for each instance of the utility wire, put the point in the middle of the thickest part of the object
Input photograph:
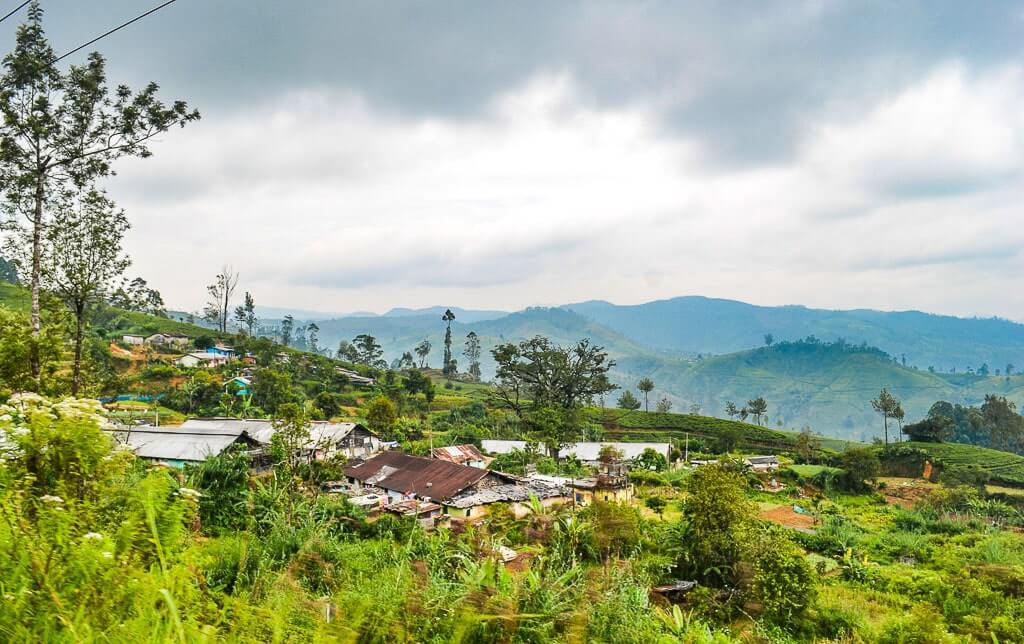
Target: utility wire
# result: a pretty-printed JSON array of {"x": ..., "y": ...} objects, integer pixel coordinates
[
  {"x": 15, "y": 10},
  {"x": 118, "y": 28}
]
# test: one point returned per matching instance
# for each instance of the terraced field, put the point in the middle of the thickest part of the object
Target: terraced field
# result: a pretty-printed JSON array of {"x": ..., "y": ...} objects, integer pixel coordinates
[
  {"x": 627, "y": 425},
  {"x": 1005, "y": 468}
]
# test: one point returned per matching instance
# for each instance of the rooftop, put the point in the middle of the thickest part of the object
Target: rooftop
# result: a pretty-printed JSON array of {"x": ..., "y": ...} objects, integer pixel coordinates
[
  {"x": 424, "y": 477},
  {"x": 582, "y": 451},
  {"x": 458, "y": 453}
]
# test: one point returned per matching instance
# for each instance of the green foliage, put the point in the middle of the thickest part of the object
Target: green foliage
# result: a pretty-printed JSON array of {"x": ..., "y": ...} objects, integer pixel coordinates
[
  {"x": 719, "y": 517},
  {"x": 860, "y": 468},
  {"x": 628, "y": 401},
  {"x": 223, "y": 481},
  {"x": 784, "y": 582},
  {"x": 381, "y": 416},
  {"x": 17, "y": 345}
]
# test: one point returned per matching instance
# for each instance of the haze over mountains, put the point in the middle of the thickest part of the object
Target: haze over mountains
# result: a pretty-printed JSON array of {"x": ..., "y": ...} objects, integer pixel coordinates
[{"x": 707, "y": 351}]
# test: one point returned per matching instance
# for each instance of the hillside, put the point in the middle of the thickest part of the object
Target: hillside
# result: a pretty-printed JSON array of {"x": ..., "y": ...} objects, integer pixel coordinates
[
  {"x": 111, "y": 321},
  {"x": 824, "y": 385},
  {"x": 398, "y": 333},
  {"x": 702, "y": 431},
  {"x": 706, "y": 325},
  {"x": 1004, "y": 467}
]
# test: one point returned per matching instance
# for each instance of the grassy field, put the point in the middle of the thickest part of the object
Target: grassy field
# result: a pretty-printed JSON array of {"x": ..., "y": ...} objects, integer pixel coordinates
[
  {"x": 810, "y": 471},
  {"x": 1005, "y": 468},
  {"x": 14, "y": 297}
]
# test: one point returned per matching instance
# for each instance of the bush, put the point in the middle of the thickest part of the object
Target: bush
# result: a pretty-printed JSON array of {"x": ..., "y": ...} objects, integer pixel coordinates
[{"x": 784, "y": 581}]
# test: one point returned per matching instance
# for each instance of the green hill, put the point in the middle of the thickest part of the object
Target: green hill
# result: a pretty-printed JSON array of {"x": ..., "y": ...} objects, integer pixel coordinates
[
  {"x": 827, "y": 386},
  {"x": 708, "y": 325},
  {"x": 109, "y": 321}
]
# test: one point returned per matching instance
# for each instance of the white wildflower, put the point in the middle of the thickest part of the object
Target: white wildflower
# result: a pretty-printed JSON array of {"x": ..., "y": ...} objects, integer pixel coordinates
[
  {"x": 50, "y": 498},
  {"x": 189, "y": 493},
  {"x": 107, "y": 554},
  {"x": 93, "y": 536}
]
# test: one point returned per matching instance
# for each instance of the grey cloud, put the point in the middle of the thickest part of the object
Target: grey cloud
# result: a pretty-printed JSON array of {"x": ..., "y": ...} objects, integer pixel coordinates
[{"x": 741, "y": 76}]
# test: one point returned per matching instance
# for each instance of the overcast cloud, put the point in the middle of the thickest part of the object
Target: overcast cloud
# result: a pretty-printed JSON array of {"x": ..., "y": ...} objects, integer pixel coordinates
[{"x": 360, "y": 156}]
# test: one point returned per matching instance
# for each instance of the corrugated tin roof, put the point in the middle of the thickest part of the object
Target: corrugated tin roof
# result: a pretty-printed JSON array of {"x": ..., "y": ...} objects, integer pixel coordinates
[
  {"x": 320, "y": 432},
  {"x": 458, "y": 453},
  {"x": 511, "y": 493},
  {"x": 171, "y": 445},
  {"x": 424, "y": 477},
  {"x": 583, "y": 451}
]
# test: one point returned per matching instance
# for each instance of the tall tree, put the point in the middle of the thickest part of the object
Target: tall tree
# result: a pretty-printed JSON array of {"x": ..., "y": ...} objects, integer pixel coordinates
[
  {"x": 287, "y": 326},
  {"x": 313, "y": 329},
  {"x": 769, "y": 339},
  {"x": 220, "y": 293},
  {"x": 448, "y": 369},
  {"x": 245, "y": 314},
  {"x": 887, "y": 405},
  {"x": 138, "y": 296},
  {"x": 406, "y": 362},
  {"x": 368, "y": 350},
  {"x": 730, "y": 409},
  {"x": 472, "y": 353},
  {"x": 84, "y": 260},
  {"x": 423, "y": 350},
  {"x": 548, "y": 375},
  {"x": 646, "y": 386},
  {"x": 65, "y": 128},
  {"x": 757, "y": 408}
]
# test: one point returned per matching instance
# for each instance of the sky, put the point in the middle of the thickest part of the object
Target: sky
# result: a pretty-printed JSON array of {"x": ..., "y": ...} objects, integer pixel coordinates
[{"x": 357, "y": 156}]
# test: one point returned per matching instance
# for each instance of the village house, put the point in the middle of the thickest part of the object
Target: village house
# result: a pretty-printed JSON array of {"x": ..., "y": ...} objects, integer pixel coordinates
[
  {"x": 202, "y": 360},
  {"x": 180, "y": 446},
  {"x": 461, "y": 491},
  {"x": 353, "y": 377},
  {"x": 757, "y": 463},
  {"x": 326, "y": 439},
  {"x": 133, "y": 340},
  {"x": 462, "y": 454},
  {"x": 763, "y": 463},
  {"x": 586, "y": 490},
  {"x": 242, "y": 385},
  {"x": 587, "y": 452},
  {"x": 222, "y": 350},
  {"x": 175, "y": 340}
]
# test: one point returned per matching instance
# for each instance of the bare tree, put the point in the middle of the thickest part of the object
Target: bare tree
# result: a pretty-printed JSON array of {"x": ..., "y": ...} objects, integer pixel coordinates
[{"x": 220, "y": 292}]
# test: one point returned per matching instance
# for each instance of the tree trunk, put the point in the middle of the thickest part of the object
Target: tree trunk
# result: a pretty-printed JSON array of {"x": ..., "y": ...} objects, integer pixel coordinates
[
  {"x": 885, "y": 423},
  {"x": 76, "y": 373},
  {"x": 37, "y": 270}
]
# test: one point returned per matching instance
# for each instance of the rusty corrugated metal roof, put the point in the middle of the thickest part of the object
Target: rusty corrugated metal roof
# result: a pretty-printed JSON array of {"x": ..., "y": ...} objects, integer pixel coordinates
[
  {"x": 459, "y": 453},
  {"x": 424, "y": 477}
]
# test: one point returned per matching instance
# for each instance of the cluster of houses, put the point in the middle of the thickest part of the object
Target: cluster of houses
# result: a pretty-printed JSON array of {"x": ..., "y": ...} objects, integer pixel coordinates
[{"x": 452, "y": 484}]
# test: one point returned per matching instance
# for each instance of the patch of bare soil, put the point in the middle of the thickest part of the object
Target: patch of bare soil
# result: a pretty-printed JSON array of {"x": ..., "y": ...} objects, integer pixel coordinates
[
  {"x": 788, "y": 517},
  {"x": 906, "y": 492}
]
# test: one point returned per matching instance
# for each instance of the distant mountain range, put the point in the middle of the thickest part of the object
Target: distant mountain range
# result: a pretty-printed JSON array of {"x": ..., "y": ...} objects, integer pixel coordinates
[
  {"x": 705, "y": 325},
  {"x": 707, "y": 351}
]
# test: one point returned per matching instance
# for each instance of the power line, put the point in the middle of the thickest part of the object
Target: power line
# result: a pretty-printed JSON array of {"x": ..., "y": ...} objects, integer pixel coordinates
[
  {"x": 115, "y": 29},
  {"x": 15, "y": 10}
]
